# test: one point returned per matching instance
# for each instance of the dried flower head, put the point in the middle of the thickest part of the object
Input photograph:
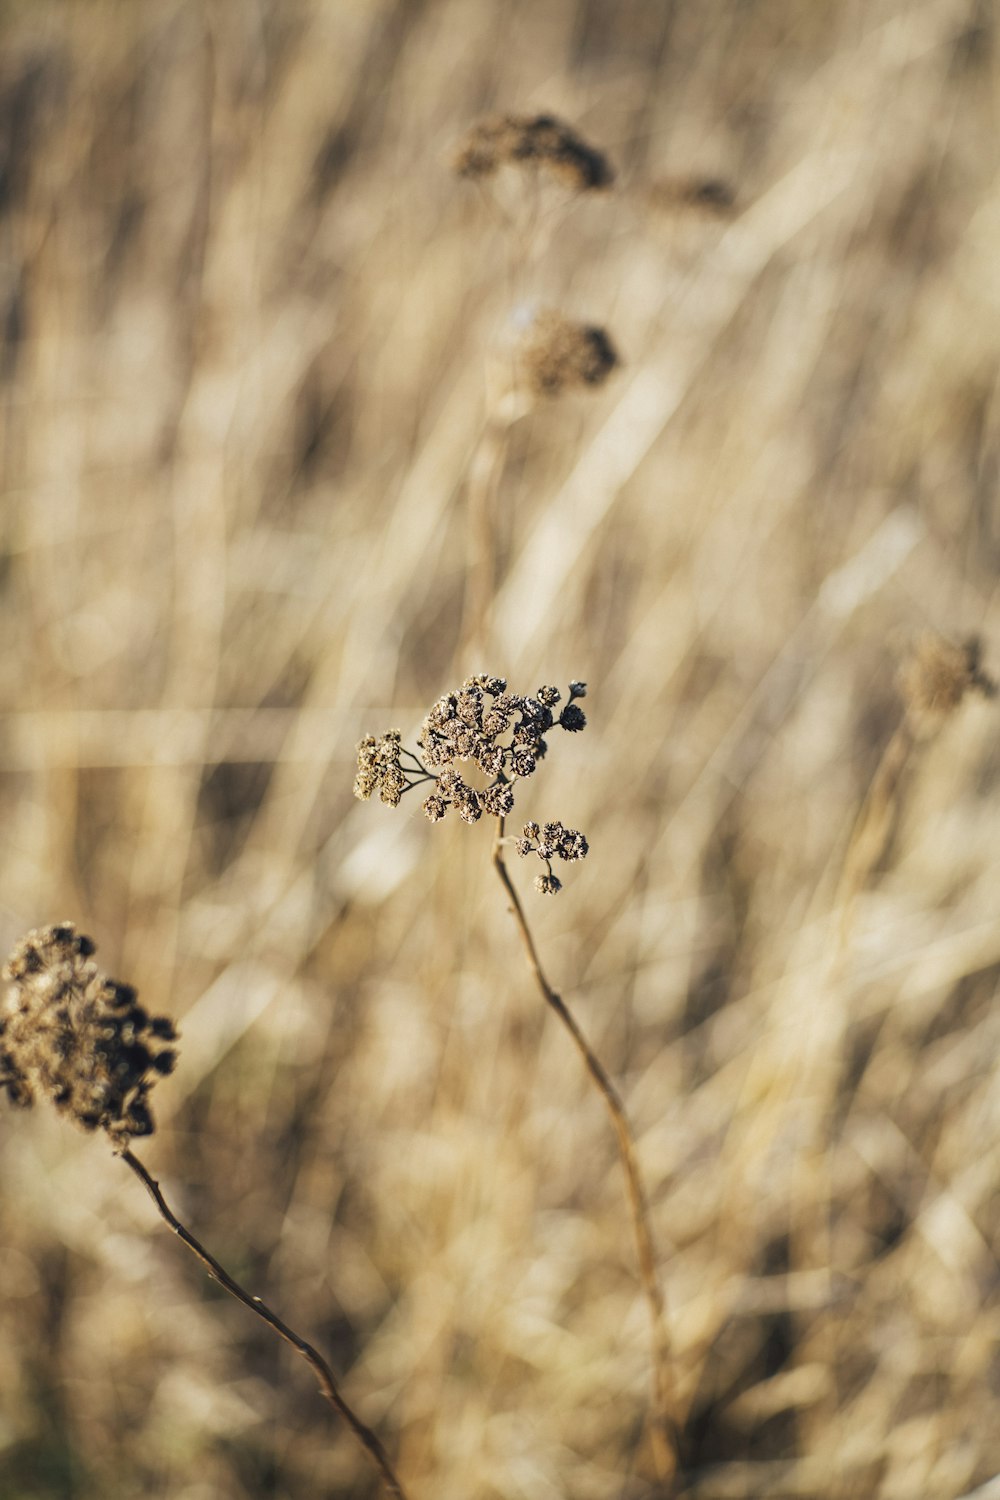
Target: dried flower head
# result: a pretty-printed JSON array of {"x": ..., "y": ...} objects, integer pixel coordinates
[
  {"x": 935, "y": 678},
  {"x": 532, "y": 140},
  {"x": 474, "y": 746},
  {"x": 379, "y": 769},
  {"x": 710, "y": 196},
  {"x": 71, "y": 1035},
  {"x": 554, "y": 354}
]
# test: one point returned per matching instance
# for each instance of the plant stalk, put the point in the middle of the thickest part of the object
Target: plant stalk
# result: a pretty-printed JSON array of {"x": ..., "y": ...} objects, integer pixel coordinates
[
  {"x": 327, "y": 1383},
  {"x": 663, "y": 1429}
]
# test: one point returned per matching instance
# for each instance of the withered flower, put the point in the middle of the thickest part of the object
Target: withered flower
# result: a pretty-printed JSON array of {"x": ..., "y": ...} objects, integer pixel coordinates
[
  {"x": 474, "y": 746},
  {"x": 711, "y": 196},
  {"x": 532, "y": 140},
  {"x": 555, "y": 354},
  {"x": 71, "y": 1035},
  {"x": 935, "y": 678}
]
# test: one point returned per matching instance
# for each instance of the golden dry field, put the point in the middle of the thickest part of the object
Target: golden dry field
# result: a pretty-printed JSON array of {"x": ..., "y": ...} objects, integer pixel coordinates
[{"x": 279, "y": 469}]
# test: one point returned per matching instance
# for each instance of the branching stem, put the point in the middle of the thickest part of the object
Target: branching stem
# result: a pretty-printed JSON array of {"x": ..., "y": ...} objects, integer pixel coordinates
[
  {"x": 664, "y": 1428},
  {"x": 327, "y": 1383}
]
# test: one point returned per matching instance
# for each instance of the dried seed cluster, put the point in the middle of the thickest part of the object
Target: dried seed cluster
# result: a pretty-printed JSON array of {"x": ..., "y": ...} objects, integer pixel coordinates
[
  {"x": 73, "y": 1036},
  {"x": 706, "y": 195},
  {"x": 537, "y": 140},
  {"x": 481, "y": 728},
  {"x": 935, "y": 678},
  {"x": 555, "y": 354},
  {"x": 379, "y": 768},
  {"x": 551, "y": 841}
]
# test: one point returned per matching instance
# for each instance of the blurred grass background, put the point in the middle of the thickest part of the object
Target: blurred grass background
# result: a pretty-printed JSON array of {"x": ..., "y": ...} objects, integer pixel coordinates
[{"x": 247, "y": 313}]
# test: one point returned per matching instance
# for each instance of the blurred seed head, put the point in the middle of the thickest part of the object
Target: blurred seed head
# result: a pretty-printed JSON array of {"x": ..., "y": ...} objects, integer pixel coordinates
[
  {"x": 79, "y": 1039},
  {"x": 532, "y": 140},
  {"x": 543, "y": 355},
  {"x": 935, "y": 678},
  {"x": 555, "y": 354},
  {"x": 712, "y": 197}
]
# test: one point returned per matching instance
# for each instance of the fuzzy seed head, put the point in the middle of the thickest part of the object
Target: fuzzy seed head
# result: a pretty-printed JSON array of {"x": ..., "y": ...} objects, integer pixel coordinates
[
  {"x": 541, "y": 141},
  {"x": 79, "y": 1039},
  {"x": 709, "y": 196},
  {"x": 935, "y": 678},
  {"x": 554, "y": 354}
]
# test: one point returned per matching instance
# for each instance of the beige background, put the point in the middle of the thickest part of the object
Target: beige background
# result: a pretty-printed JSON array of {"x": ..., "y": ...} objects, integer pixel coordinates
[{"x": 249, "y": 316}]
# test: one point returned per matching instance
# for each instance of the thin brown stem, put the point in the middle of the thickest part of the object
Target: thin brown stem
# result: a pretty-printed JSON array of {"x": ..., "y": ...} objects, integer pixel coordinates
[
  {"x": 664, "y": 1431},
  {"x": 327, "y": 1383}
]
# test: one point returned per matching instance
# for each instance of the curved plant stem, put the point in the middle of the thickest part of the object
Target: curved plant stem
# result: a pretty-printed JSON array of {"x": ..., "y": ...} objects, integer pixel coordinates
[
  {"x": 664, "y": 1431},
  {"x": 327, "y": 1383}
]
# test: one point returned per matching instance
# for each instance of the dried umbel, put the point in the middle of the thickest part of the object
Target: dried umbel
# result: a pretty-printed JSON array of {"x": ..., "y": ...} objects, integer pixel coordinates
[
  {"x": 73, "y": 1036},
  {"x": 554, "y": 354},
  {"x": 532, "y": 140},
  {"x": 475, "y": 745},
  {"x": 935, "y": 678}
]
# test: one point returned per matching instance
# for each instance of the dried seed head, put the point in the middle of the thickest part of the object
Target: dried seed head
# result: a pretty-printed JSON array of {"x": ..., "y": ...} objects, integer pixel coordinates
[
  {"x": 935, "y": 678},
  {"x": 551, "y": 841},
  {"x": 554, "y": 354},
  {"x": 379, "y": 769},
  {"x": 73, "y": 1036},
  {"x": 711, "y": 196},
  {"x": 498, "y": 800},
  {"x": 532, "y": 140},
  {"x": 500, "y": 736}
]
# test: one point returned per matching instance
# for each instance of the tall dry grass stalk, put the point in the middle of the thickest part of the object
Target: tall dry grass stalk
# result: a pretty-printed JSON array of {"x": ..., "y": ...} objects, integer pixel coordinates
[
  {"x": 539, "y": 353},
  {"x": 935, "y": 678},
  {"x": 540, "y": 356}
]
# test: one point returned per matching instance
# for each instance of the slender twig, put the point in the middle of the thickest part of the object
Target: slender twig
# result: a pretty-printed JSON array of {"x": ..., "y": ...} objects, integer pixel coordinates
[
  {"x": 327, "y": 1383},
  {"x": 664, "y": 1431}
]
